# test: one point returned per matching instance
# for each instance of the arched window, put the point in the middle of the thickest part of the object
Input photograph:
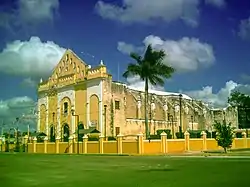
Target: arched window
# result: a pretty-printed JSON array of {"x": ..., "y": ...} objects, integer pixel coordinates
[{"x": 65, "y": 108}]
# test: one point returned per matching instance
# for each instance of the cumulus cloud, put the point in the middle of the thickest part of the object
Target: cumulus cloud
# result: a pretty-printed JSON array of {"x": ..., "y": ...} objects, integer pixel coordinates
[
  {"x": 137, "y": 83},
  {"x": 206, "y": 94},
  {"x": 244, "y": 29},
  {"x": 28, "y": 13},
  {"x": 245, "y": 77},
  {"x": 37, "y": 10},
  {"x": 220, "y": 98},
  {"x": 128, "y": 48},
  {"x": 23, "y": 108},
  {"x": 186, "y": 54},
  {"x": 144, "y": 11},
  {"x": 216, "y": 3},
  {"x": 30, "y": 59}
]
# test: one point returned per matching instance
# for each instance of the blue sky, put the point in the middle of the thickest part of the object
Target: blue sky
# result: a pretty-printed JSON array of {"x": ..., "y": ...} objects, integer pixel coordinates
[{"x": 207, "y": 41}]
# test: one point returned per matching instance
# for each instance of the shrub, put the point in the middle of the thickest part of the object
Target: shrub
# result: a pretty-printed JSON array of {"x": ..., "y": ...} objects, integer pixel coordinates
[
  {"x": 93, "y": 138},
  {"x": 195, "y": 134},
  {"x": 111, "y": 138},
  {"x": 179, "y": 135},
  {"x": 224, "y": 135},
  {"x": 238, "y": 135},
  {"x": 155, "y": 137},
  {"x": 167, "y": 131},
  {"x": 209, "y": 134}
]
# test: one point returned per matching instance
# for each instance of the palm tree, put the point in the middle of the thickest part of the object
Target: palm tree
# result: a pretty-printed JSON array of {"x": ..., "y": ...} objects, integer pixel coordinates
[{"x": 151, "y": 70}]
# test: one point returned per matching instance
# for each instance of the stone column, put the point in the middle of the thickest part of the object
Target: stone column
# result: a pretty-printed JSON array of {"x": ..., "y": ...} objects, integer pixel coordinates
[
  {"x": 34, "y": 144},
  {"x": 47, "y": 121},
  {"x": 57, "y": 145},
  {"x": 38, "y": 119},
  {"x": 101, "y": 139},
  {"x": 73, "y": 124},
  {"x": 70, "y": 145},
  {"x": 244, "y": 136},
  {"x": 140, "y": 143},
  {"x": 119, "y": 143},
  {"x": 101, "y": 117},
  {"x": 87, "y": 114},
  {"x": 58, "y": 122},
  {"x": 139, "y": 109},
  {"x": 164, "y": 146},
  {"x": 85, "y": 144},
  {"x": 45, "y": 144},
  {"x": 204, "y": 140},
  {"x": 186, "y": 136},
  {"x": 165, "y": 108}
]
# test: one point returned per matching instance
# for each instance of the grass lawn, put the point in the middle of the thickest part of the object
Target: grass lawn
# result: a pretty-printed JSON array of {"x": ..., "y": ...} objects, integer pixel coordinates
[{"x": 117, "y": 171}]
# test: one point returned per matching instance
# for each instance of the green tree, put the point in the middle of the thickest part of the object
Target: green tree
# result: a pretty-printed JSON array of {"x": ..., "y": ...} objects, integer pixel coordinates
[
  {"x": 224, "y": 135},
  {"x": 151, "y": 69},
  {"x": 242, "y": 102}
]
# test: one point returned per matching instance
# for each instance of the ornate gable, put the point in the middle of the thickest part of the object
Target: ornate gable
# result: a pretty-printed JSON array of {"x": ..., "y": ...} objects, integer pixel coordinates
[{"x": 70, "y": 64}]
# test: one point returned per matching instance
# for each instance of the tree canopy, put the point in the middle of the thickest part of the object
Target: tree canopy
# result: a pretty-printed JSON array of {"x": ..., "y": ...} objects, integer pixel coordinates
[
  {"x": 224, "y": 135},
  {"x": 242, "y": 102},
  {"x": 151, "y": 69}
]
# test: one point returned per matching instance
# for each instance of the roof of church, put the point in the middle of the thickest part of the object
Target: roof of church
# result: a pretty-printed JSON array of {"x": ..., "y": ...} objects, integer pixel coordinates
[{"x": 151, "y": 91}]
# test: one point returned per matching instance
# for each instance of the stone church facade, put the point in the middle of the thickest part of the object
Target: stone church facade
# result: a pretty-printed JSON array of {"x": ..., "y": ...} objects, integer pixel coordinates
[{"x": 76, "y": 94}]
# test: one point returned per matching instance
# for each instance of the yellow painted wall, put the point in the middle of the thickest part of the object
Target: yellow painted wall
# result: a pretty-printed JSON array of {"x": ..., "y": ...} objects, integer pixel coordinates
[
  {"x": 63, "y": 147},
  {"x": 65, "y": 118},
  {"x": 42, "y": 118},
  {"x": 130, "y": 147},
  {"x": 248, "y": 142},
  {"x": 93, "y": 147},
  {"x": 109, "y": 147},
  {"x": 239, "y": 143},
  {"x": 195, "y": 144},
  {"x": 30, "y": 147},
  {"x": 52, "y": 108},
  {"x": 75, "y": 147},
  {"x": 94, "y": 109},
  {"x": 176, "y": 146},
  {"x": 80, "y": 103},
  {"x": 51, "y": 148},
  {"x": 152, "y": 147},
  {"x": 40, "y": 148},
  {"x": 212, "y": 144}
]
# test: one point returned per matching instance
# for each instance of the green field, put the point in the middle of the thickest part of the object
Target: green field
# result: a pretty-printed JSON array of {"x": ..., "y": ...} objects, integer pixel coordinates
[{"x": 117, "y": 171}]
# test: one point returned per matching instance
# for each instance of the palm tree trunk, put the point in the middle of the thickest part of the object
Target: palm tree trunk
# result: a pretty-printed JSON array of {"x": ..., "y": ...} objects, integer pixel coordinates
[{"x": 146, "y": 108}]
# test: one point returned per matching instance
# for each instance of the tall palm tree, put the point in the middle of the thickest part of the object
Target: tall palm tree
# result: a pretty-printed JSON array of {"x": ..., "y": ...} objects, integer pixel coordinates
[{"x": 150, "y": 69}]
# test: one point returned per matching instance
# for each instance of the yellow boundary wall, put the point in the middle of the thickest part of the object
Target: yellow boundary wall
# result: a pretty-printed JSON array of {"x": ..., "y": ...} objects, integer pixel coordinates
[{"x": 137, "y": 146}]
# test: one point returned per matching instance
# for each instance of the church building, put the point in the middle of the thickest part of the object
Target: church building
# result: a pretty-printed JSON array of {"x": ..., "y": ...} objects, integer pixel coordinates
[{"x": 77, "y": 95}]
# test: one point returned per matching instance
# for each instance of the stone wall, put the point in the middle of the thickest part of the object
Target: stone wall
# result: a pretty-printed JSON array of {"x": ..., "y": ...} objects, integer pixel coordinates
[{"x": 125, "y": 111}]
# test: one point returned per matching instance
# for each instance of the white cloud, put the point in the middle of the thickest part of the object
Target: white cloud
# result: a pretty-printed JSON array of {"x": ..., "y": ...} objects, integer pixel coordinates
[
  {"x": 28, "y": 13},
  {"x": 21, "y": 107},
  {"x": 186, "y": 54},
  {"x": 206, "y": 94},
  {"x": 220, "y": 98},
  {"x": 216, "y": 3},
  {"x": 144, "y": 11},
  {"x": 137, "y": 83},
  {"x": 28, "y": 82},
  {"x": 31, "y": 59},
  {"x": 128, "y": 48},
  {"x": 244, "y": 29},
  {"x": 37, "y": 10}
]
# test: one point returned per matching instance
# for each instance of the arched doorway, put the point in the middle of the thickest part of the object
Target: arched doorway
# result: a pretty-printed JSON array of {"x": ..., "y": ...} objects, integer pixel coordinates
[
  {"x": 52, "y": 133},
  {"x": 65, "y": 133},
  {"x": 80, "y": 126},
  {"x": 94, "y": 111}
]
